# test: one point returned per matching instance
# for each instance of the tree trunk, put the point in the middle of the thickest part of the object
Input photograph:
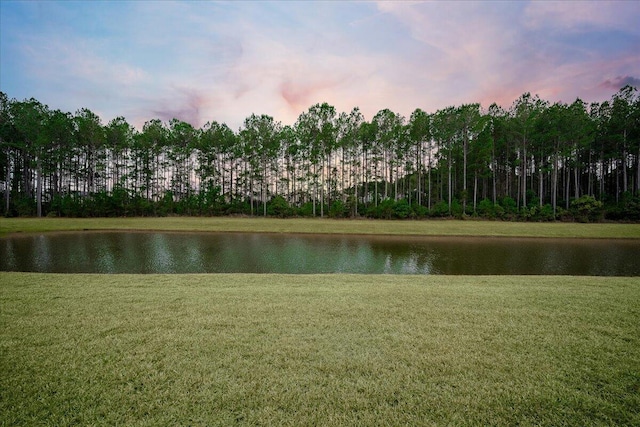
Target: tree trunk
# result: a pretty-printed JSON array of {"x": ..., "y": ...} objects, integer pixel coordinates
[
  {"x": 540, "y": 183},
  {"x": 576, "y": 183},
  {"x": 475, "y": 189},
  {"x": 624, "y": 162},
  {"x": 7, "y": 185},
  {"x": 39, "y": 185},
  {"x": 554, "y": 191},
  {"x": 419, "y": 174},
  {"x": 464, "y": 173},
  {"x": 567, "y": 180},
  {"x": 638, "y": 172},
  {"x": 264, "y": 190},
  {"x": 524, "y": 173},
  {"x": 450, "y": 192},
  {"x": 429, "y": 179},
  {"x": 315, "y": 193}
]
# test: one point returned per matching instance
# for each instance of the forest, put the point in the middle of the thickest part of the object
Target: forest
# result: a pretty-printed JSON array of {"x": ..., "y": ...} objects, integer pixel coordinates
[{"x": 535, "y": 161}]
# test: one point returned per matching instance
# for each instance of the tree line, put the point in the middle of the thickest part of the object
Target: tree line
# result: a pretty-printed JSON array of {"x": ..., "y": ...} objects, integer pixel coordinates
[{"x": 533, "y": 161}]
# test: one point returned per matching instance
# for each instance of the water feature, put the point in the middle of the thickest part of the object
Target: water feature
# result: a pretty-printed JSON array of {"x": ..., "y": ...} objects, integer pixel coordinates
[{"x": 172, "y": 252}]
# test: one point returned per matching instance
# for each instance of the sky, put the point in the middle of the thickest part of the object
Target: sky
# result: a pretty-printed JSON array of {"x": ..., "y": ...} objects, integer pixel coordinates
[{"x": 205, "y": 61}]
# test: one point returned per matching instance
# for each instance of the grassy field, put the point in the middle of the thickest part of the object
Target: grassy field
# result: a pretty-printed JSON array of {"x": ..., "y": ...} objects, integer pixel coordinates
[
  {"x": 318, "y": 350},
  {"x": 142, "y": 350},
  {"x": 308, "y": 225}
]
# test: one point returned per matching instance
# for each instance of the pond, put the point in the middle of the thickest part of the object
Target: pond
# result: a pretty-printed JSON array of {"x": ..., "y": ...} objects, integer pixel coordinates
[{"x": 173, "y": 252}]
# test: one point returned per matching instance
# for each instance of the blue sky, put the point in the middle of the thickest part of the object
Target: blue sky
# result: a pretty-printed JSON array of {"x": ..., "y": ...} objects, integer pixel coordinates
[{"x": 202, "y": 61}]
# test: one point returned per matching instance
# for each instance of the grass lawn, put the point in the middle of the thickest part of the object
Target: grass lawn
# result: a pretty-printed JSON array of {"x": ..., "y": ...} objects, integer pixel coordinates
[
  {"x": 239, "y": 349},
  {"x": 318, "y": 350},
  {"x": 317, "y": 225}
]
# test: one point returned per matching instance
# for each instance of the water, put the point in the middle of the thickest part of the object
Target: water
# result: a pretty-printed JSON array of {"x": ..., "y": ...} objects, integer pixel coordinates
[{"x": 170, "y": 252}]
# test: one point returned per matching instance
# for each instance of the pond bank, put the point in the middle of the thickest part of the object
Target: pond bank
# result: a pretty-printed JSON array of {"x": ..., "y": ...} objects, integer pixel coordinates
[{"x": 327, "y": 226}]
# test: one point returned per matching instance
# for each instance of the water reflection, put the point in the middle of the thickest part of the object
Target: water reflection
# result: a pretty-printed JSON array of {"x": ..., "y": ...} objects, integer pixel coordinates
[{"x": 119, "y": 252}]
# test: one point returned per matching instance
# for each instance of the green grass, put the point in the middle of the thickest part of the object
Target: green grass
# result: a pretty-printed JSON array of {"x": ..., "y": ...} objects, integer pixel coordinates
[
  {"x": 308, "y": 225},
  {"x": 318, "y": 350}
]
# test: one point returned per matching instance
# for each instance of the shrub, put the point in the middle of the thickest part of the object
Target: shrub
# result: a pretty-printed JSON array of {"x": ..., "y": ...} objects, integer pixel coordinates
[
  {"x": 307, "y": 209},
  {"x": 25, "y": 206},
  {"x": 586, "y": 209},
  {"x": 401, "y": 209},
  {"x": 440, "y": 209},
  {"x": 628, "y": 209},
  {"x": 419, "y": 210},
  {"x": 510, "y": 206},
  {"x": 338, "y": 209},
  {"x": 545, "y": 213},
  {"x": 486, "y": 209},
  {"x": 279, "y": 207}
]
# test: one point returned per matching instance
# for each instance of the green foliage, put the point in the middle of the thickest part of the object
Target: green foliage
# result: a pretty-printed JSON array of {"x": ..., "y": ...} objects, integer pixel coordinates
[
  {"x": 116, "y": 170},
  {"x": 121, "y": 200},
  {"x": 67, "y": 205},
  {"x": 532, "y": 199},
  {"x": 166, "y": 206},
  {"x": 587, "y": 209},
  {"x": 627, "y": 209},
  {"x": 351, "y": 206},
  {"x": 338, "y": 209},
  {"x": 509, "y": 204},
  {"x": 211, "y": 201},
  {"x": 545, "y": 213},
  {"x": 419, "y": 210},
  {"x": 25, "y": 206},
  {"x": 306, "y": 209},
  {"x": 390, "y": 209},
  {"x": 385, "y": 209},
  {"x": 440, "y": 209},
  {"x": 402, "y": 209},
  {"x": 279, "y": 207},
  {"x": 487, "y": 209},
  {"x": 238, "y": 207}
]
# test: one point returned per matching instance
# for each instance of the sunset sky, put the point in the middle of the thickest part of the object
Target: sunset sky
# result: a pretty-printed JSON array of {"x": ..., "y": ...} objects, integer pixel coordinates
[{"x": 202, "y": 61}]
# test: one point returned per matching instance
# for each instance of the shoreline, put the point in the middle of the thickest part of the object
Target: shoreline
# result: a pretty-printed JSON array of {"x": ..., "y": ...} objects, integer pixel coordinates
[{"x": 420, "y": 228}]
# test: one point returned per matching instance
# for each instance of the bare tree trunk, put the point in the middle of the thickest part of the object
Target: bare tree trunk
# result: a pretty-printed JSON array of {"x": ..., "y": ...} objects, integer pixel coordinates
[
  {"x": 450, "y": 183},
  {"x": 475, "y": 189},
  {"x": 524, "y": 174},
  {"x": 429, "y": 179},
  {"x": 39, "y": 186},
  {"x": 264, "y": 190},
  {"x": 7, "y": 184},
  {"x": 315, "y": 194},
  {"x": 464, "y": 172},
  {"x": 419, "y": 174},
  {"x": 540, "y": 183},
  {"x": 576, "y": 183},
  {"x": 638, "y": 173},
  {"x": 624, "y": 162},
  {"x": 567, "y": 180},
  {"x": 590, "y": 183},
  {"x": 554, "y": 191}
]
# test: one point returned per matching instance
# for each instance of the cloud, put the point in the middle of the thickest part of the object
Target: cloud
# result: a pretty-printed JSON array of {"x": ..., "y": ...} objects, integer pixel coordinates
[
  {"x": 494, "y": 52},
  {"x": 222, "y": 61},
  {"x": 185, "y": 104},
  {"x": 580, "y": 15},
  {"x": 76, "y": 59},
  {"x": 620, "y": 82}
]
